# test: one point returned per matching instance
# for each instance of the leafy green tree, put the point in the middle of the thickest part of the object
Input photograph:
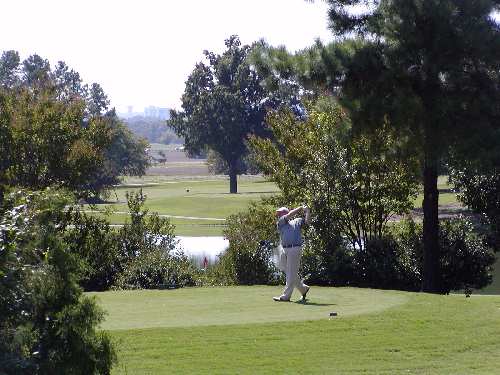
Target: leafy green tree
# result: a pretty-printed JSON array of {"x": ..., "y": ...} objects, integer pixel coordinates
[
  {"x": 223, "y": 103},
  {"x": 9, "y": 69},
  {"x": 50, "y": 147},
  {"x": 36, "y": 72},
  {"x": 430, "y": 67},
  {"x": 353, "y": 182},
  {"x": 58, "y": 131},
  {"x": 97, "y": 100},
  {"x": 47, "y": 325},
  {"x": 5, "y": 142},
  {"x": 68, "y": 83}
]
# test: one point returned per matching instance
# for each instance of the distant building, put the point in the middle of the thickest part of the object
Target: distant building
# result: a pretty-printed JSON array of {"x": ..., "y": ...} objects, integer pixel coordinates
[{"x": 157, "y": 112}]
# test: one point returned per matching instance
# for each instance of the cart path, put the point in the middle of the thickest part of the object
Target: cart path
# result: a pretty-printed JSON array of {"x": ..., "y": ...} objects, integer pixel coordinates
[{"x": 162, "y": 215}]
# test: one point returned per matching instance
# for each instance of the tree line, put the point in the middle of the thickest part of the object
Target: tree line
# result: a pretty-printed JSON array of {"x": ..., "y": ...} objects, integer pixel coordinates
[
  {"x": 56, "y": 130},
  {"x": 427, "y": 72},
  {"x": 59, "y": 143}
]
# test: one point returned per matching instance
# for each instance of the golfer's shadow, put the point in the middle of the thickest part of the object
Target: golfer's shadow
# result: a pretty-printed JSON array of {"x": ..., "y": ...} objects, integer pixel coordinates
[{"x": 306, "y": 302}]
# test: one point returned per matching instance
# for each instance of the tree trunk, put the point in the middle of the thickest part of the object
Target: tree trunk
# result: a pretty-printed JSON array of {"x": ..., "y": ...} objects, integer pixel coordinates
[
  {"x": 431, "y": 281},
  {"x": 233, "y": 179}
]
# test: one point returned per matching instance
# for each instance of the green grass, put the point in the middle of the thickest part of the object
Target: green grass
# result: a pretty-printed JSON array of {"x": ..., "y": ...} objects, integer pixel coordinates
[
  {"x": 240, "y": 330},
  {"x": 205, "y": 198}
]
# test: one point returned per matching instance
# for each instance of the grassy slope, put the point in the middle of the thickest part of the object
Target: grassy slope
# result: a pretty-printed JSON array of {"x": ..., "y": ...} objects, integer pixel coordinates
[{"x": 234, "y": 330}]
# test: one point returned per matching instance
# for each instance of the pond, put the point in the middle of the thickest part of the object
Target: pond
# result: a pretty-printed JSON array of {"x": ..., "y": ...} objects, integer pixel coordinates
[{"x": 199, "y": 248}]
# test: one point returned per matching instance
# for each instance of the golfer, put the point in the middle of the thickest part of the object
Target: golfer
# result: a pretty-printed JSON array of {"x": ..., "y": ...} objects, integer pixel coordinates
[{"x": 291, "y": 240}]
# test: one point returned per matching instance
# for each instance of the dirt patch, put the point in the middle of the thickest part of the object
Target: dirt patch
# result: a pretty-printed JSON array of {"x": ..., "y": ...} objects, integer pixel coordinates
[{"x": 178, "y": 164}]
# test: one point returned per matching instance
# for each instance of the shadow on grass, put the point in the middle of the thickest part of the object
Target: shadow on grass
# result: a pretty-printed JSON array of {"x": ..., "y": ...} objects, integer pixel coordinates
[{"x": 308, "y": 303}]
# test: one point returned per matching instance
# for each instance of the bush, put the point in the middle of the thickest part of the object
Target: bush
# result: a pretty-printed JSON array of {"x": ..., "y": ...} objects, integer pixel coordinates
[
  {"x": 326, "y": 264},
  {"x": 97, "y": 243},
  {"x": 395, "y": 261},
  {"x": 252, "y": 236},
  {"x": 466, "y": 262},
  {"x": 465, "y": 259},
  {"x": 47, "y": 326},
  {"x": 157, "y": 269},
  {"x": 138, "y": 255},
  {"x": 479, "y": 190}
]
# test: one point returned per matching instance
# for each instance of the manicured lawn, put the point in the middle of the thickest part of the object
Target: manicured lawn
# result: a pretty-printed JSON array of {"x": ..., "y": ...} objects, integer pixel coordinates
[
  {"x": 197, "y": 198},
  {"x": 206, "y": 198},
  {"x": 240, "y": 330}
]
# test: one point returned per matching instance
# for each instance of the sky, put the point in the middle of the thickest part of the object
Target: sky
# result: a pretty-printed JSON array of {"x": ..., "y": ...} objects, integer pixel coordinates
[{"x": 142, "y": 51}]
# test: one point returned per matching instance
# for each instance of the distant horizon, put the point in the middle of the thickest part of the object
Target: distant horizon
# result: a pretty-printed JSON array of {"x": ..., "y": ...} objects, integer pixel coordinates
[{"x": 148, "y": 48}]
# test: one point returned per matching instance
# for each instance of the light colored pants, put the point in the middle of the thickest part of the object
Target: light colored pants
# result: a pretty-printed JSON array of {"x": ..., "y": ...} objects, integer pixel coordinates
[{"x": 291, "y": 269}]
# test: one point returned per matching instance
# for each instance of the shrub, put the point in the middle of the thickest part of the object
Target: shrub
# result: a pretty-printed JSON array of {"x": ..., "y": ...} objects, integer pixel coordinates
[
  {"x": 395, "y": 261},
  {"x": 465, "y": 259},
  {"x": 252, "y": 236},
  {"x": 479, "y": 190},
  {"x": 98, "y": 244},
  {"x": 47, "y": 325},
  {"x": 466, "y": 262},
  {"x": 138, "y": 255},
  {"x": 327, "y": 264},
  {"x": 156, "y": 269}
]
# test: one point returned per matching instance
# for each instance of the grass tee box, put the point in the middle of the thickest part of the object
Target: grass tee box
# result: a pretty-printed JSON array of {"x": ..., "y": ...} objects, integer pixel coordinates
[{"x": 240, "y": 330}]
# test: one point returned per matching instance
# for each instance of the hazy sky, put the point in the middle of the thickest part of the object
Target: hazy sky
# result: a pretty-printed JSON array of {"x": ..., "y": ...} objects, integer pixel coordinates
[{"x": 141, "y": 51}]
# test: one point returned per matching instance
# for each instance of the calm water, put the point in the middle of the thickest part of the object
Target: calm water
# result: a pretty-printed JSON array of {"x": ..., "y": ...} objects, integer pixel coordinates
[{"x": 200, "y": 247}]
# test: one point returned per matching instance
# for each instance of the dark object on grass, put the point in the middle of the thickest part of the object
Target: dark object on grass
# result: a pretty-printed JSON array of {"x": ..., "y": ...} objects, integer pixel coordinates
[
  {"x": 333, "y": 314},
  {"x": 169, "y": 286}
]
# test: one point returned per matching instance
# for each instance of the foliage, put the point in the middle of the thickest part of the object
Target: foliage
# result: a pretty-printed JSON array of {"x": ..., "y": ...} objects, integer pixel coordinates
[
  {"x": 466, "y": 262},
  {"x": 5, "y": 142},
  {"x": 47, "y": 325},
  {"x": 59, "y": 130},
  {"x": 353, "y": 182},
  {"x": 222, "y": 104},
  {"x": 428, "y": 67},
  {"x": 49, "y": 145},
  {"x": 124, "y": 155},
  {"x": 327, "y": 264},
  {"x": 98, "y": 244},
  {"x": 152, "y": 129},
  {"x": 157, "y": 269},
  {"x": 395, "y": 260},
  {"x": 147, "y": 244},
  {"x": 141, "y": 254},
  {"x": 246, "y": 165},
  {"x": 248, "y": 260},
  {"x": 479, "y": 190}
]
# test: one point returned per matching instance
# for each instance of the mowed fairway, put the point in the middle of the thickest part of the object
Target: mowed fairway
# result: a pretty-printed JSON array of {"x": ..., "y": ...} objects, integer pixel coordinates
[
  {"x": 201, "y": 205},
  {"x": 240, "y": 330},
  {"x": 198, "y": 206}
]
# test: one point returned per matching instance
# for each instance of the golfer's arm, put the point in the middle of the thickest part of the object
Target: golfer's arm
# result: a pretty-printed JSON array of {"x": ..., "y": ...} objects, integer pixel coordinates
[{"x": 293, "y": 212}]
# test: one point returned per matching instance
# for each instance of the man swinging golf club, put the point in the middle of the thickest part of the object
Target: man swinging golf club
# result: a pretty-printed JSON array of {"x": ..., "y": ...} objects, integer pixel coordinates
[{"x": 291, "y": 240}]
